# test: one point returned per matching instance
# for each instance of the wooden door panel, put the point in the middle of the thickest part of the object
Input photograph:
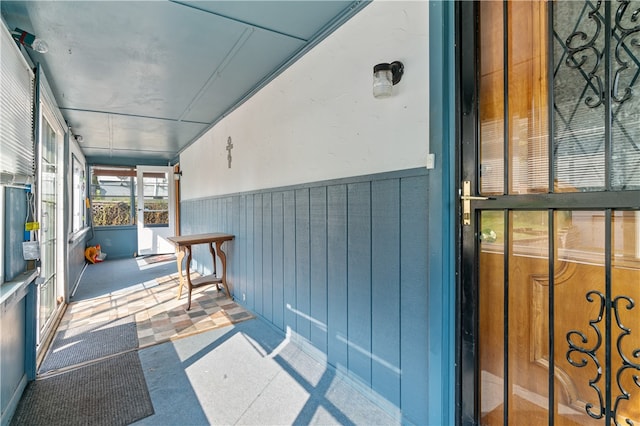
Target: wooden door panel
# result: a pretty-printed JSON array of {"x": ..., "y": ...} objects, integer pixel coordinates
[{"x": 528, "y": 341}]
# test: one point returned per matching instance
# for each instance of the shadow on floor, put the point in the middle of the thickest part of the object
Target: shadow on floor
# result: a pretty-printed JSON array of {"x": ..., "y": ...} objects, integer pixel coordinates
[
  {"x": 249, "y": 373},
  {"x": 227, "y": 367}
]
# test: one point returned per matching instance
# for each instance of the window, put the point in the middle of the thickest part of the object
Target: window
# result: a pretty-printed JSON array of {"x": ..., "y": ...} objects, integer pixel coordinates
[
  {"x": 156, "y": 199},
  {"x": 16, "y": 104},
  {"x": 112, "y": 193},
  {"x": 79, "y": 193}
]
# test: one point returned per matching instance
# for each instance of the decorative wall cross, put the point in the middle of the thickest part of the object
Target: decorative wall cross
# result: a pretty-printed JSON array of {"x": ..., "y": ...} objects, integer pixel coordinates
[{"x": 229, "y": 147}]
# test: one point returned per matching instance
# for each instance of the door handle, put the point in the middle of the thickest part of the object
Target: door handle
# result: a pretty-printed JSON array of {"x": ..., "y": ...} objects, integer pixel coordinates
[
  {"x": 470, "y": 197},
  {"x": 466, "y": 198}
]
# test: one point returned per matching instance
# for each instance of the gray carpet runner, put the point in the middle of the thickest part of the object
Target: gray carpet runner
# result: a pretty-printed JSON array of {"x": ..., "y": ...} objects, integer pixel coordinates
[
  {"x": 112, "y": 276},
  {"x": 109, "y": 392},
  {"x": 91, "y": 342}
]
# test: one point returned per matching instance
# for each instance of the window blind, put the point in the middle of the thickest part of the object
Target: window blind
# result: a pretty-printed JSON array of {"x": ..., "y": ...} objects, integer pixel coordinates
[{"x": 16, "y": 113}]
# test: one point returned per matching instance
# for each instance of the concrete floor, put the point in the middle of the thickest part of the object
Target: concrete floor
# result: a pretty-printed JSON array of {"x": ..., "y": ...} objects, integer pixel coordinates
[
  {"x": 249, "y": 374},
  {"x": 240, "y": 372}
]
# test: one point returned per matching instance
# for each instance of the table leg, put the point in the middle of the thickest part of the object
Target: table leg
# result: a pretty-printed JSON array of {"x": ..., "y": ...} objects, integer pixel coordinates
[
  {"x": 188, "y": 267},
  {"x": 223, "y": 261},
  {"x": 179, "y": 257},
  {"x": 213, "y": 257}
]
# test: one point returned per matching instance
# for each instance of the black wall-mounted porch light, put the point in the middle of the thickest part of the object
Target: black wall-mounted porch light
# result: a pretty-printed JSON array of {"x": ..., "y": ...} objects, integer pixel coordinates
[{"x": 385, "y": 76}]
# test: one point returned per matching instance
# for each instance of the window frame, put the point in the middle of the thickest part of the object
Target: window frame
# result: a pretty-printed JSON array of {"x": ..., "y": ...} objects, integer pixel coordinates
[
  {"x": 79, "y": 191},
  {"x": 130, "y": 198}
]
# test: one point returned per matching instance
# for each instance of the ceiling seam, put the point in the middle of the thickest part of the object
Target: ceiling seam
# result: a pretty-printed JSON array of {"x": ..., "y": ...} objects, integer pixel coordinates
[
  {"x": 95, "y": 148},
  {"x": 271, "y": 30},
  {"x": 246, "y": 34},
  {"x": 132, "y": 115}
]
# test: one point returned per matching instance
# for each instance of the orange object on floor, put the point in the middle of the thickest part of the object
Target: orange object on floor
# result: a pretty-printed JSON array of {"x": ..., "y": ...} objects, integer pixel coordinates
[{"x": 92, "y": 254}]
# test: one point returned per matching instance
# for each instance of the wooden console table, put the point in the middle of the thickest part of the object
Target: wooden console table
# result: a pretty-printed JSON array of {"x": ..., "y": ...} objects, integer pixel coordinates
[{"x": 183, "y": 245}]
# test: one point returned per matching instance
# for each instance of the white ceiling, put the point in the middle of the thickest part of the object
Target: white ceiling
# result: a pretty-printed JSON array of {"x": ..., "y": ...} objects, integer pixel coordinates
[{"x": 141, "y": 80}]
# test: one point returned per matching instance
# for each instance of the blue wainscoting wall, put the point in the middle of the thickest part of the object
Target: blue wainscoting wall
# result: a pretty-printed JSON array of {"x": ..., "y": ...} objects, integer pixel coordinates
[
  {"x": 341, "y": 266},
  {"x": 76, "y": 260},
  {"x": 118, "y": 242}
]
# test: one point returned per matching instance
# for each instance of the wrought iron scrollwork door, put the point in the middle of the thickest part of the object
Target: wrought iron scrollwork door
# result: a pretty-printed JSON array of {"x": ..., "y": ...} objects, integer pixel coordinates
[
  {"x": 550, "y": 248},
  {"x": 582, "y": 352}
]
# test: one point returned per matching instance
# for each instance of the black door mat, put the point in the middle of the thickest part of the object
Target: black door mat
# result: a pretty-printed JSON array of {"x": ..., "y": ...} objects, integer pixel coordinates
[
  {"x": 91, "y": 342},
  {"x": 108, "y": 392}
]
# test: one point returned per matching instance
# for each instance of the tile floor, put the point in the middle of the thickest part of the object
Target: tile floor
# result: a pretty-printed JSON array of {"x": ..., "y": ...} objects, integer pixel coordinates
[{"x": 159, "y": 316}]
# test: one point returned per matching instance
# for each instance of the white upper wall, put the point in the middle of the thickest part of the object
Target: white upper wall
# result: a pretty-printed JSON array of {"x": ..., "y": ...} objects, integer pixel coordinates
[{"x": 318, "y": 120}]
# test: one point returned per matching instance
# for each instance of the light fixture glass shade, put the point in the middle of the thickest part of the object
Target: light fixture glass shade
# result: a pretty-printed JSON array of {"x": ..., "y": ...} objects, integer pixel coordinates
[
  {"x": 382, "y": 83},
  {"x": 40, "y": 45}
]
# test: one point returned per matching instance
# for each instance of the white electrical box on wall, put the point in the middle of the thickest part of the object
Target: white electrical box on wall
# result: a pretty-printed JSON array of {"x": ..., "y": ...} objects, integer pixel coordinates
[{"x": 431, "y": 161}]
